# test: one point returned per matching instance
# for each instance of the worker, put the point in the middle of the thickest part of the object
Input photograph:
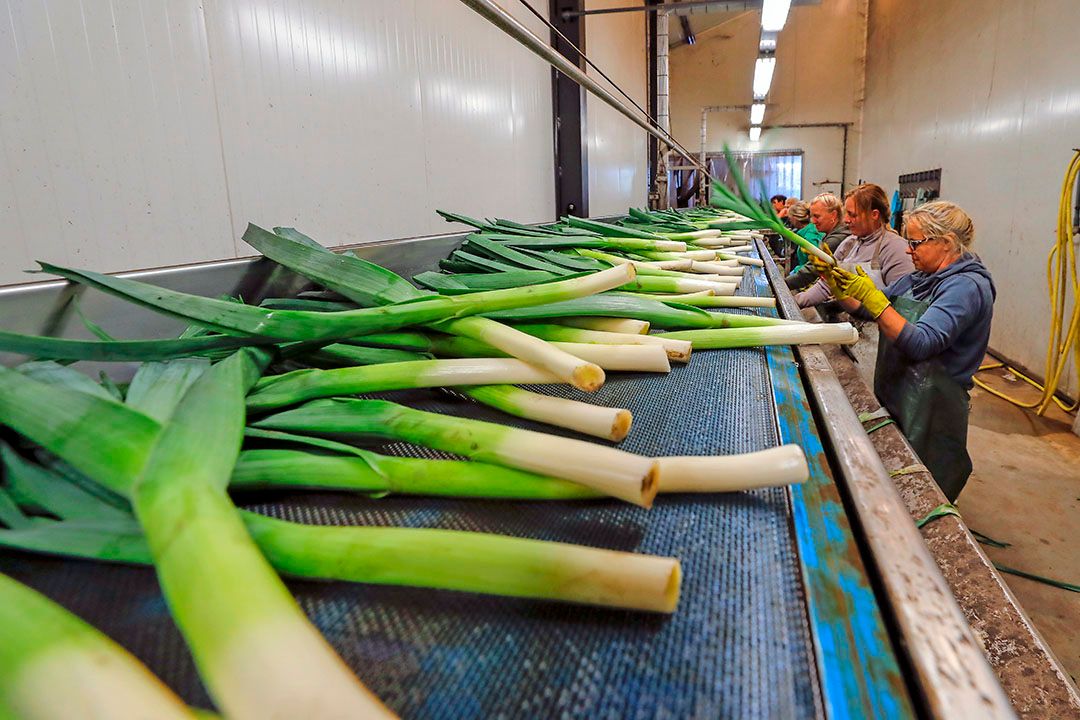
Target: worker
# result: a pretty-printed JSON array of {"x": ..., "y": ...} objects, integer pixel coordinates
[
  {"x": 778, "y": 202},
  {"x": 935, "y": 326},
  {"x": 826, "y": 215},
  {"x": 873, "y": 245},
  {"x": 799, "y": 218}
]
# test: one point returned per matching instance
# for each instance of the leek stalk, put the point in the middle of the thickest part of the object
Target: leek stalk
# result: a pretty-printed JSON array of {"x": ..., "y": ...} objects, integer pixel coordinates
[
  {"x": 55, "y": 666},
  {"x": 802, "y": 334},
  {"x": 602, "y": 422},
  {"x": 614, "y": 472},
  {"x": 677, "y": 350}
]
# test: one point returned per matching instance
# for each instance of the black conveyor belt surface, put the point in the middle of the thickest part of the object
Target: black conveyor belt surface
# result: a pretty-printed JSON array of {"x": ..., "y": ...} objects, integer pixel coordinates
[{"x": 737, "y": 647}]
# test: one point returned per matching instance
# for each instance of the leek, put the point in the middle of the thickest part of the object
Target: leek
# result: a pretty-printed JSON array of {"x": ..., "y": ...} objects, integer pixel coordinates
[
  {"x": 659, "y": 314},
  {"x": 54, "y": 665},
  {"x": 369, "y": 284},
  {"x": 614, "y": 472},
  {"x": 231, "y": 317},
  {"x": 804, "y": 334},
  {"x": 234, "y": 612},
  {"x": 602, "y": 422},
  {"x": 783, "y": 465},
  {"x": 677, "y": 350},
  {"x": 616, "y": 325},
  {"x": 306, "y": 384}
]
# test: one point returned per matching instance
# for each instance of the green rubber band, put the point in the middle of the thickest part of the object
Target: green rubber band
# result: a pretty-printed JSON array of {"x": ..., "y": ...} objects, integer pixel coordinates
[
  {"x": 875, "y": 415},
  {"x": 939, "y": 511},
  {"x": 880, "y": 425}
]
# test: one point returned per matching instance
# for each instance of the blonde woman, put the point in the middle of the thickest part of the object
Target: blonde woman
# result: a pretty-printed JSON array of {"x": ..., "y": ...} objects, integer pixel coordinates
[
  {"x": 827, "y": 217},
  {"x": 935, "y": 327}
]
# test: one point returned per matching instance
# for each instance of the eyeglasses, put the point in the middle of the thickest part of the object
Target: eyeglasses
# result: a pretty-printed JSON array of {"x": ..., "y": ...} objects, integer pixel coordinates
[{"x": 916, "y": 243}]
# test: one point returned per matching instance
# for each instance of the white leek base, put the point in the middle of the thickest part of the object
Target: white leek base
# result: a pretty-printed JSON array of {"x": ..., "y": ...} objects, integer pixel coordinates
[
  {"x": 318, "y": 685},
  {"x": 619, "y": 579},
  {"x": 613, "y": 472},
  {"x": 719, "y": 268},
  {"x": 581, "y": 373},
  {"x": 618, "y": 325},
  {"x": 596, "y": 420},
  {"x": 677, "y": 350},
  {"x": 670, "y": 246},
  {"x": 76, "y": 681},
  {"x": 630, "y": 358},
  {"x": 782, "y": 465}
]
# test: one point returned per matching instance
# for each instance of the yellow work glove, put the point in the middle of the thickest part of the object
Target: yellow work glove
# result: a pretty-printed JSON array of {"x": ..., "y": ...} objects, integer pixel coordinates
[
  {"x": 824, "y": 269},
  {"x": 858, "y": 285}
]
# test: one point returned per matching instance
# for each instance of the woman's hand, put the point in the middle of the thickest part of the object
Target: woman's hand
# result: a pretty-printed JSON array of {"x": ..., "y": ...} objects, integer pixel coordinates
[
  {"x": 859, "y": 286},
  {"x": 825, "y": 270}
]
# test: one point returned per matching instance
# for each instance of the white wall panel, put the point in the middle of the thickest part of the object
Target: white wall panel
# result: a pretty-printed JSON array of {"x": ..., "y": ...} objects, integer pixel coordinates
[
  {"x": 618, "y": 149},
  {"x": 108, "y": 136},
  {"x": 818, "y": 79},
  {"x": 321, "y": 116},
  {"x": 487, "y": 115},
  {"x": 145, "y": 134},
  {"x": 997, "y": 107}
]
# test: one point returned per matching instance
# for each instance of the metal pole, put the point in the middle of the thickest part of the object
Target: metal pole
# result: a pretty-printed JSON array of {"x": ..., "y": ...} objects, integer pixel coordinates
[
  {"x": 663, "y": 107},
  {"x": 506, "y": 22},
  {"x": 680, "y": 9},
  {"x": 703, "y": 189}
]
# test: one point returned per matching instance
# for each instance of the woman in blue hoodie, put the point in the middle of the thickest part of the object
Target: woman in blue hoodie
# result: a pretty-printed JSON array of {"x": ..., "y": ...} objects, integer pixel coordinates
[{"x": 935, "y": 327}]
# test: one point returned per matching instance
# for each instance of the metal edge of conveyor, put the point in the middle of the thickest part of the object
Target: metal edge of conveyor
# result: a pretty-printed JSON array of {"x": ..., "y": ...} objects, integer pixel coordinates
[
  {"x": 948, "y": 671},
  {"x": 859, "y": 671}
]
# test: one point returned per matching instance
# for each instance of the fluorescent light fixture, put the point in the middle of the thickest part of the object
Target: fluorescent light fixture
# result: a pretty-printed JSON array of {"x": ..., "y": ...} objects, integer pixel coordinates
[
  {"x": 774, "y": 14},
  {"x": 763, "y": 72},
  {"x": 755, "y": 133},
  {"x": 757, "y": 113}
]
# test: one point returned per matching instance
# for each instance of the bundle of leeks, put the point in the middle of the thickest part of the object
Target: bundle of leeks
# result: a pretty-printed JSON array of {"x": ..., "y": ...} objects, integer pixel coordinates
[{"x": 170, "y": 445}]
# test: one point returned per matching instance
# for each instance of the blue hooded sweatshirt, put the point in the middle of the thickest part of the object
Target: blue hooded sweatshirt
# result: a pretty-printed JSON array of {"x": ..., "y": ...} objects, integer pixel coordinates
[{"x": 956, "y": 327}]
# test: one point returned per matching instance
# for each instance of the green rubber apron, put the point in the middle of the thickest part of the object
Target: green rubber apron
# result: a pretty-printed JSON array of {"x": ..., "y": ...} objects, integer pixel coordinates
[{"x": 930, "y": 407}]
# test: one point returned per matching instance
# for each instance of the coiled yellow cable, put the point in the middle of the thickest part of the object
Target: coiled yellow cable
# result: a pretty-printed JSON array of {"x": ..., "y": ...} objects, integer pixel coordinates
[{"x": 1061, "y": 273}]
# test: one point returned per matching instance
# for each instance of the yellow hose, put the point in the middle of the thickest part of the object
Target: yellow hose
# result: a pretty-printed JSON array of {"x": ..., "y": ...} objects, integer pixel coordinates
[{"x": 1061, "y": 273}]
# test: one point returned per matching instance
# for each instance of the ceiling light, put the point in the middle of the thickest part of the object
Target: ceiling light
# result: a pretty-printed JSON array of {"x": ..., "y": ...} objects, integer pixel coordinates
[
  {"x": 757, "y": 113},
  {"x": 763, "y": 72},
  {"x": 755, "y": 133},
  {"x": 774, "y": 14}
]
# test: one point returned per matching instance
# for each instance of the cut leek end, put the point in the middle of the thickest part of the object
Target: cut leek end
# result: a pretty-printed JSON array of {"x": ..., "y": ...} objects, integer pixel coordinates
[
  {"x": 588, "y": 377},
  {"x": 671, "y": 591},
  {"x": 620, "y": 428}
]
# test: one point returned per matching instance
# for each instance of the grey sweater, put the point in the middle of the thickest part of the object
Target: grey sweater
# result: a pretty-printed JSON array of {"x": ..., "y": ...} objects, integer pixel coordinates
[{"x": 895, "y": 262}]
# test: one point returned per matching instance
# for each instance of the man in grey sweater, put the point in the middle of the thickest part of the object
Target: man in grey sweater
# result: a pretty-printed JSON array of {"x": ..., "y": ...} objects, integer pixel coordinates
[
  {"x": 826, "y": 213},
  {"x": 872, "y": 244}
]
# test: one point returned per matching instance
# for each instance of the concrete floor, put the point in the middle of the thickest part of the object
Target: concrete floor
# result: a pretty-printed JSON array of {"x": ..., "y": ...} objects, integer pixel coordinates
[{"x": 1025, "y": 490}]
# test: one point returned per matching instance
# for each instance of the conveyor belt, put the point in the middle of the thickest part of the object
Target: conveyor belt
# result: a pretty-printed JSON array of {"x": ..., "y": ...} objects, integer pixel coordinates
[{"x": 739, "y": 646}]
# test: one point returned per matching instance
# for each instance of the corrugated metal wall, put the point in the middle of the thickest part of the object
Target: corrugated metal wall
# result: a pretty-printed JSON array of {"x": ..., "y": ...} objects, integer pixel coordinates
[
  {"x": 618, "y": 160},
  {"x": 141, "y": 134},
  {"x": 991, "y": 96}
]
